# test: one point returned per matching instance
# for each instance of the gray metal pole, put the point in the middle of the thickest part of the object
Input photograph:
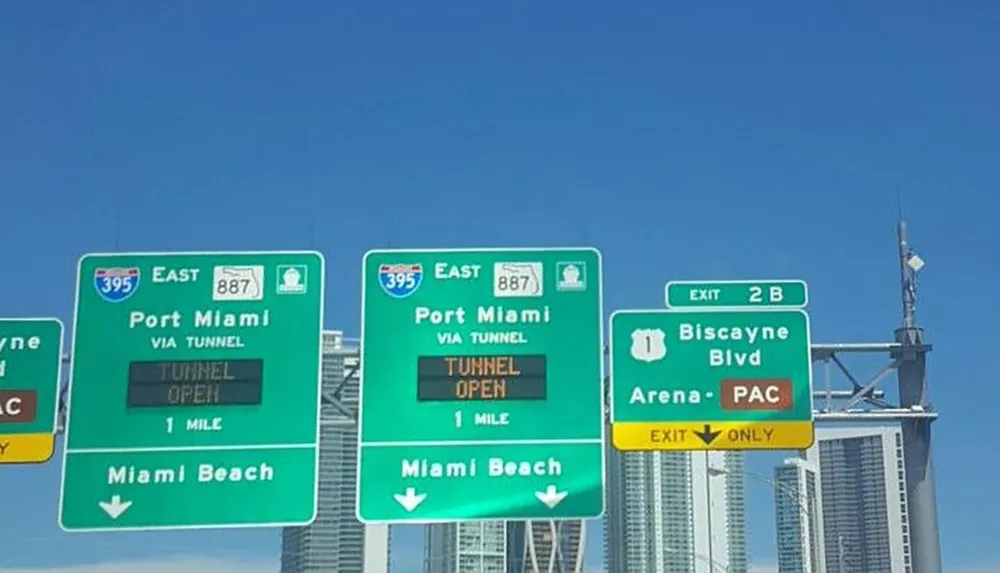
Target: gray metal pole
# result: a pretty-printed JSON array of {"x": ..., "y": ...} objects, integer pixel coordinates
[
  {"x": 925, "y": 544},
  {"x": 708, "y": 502}
]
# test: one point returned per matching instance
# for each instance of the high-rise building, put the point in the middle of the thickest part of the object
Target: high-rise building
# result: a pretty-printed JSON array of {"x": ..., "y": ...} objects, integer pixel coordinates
[
  {"x": 337, "y": 542},
  {"x": 798, "y": 519},
  {"x": 504, "y": 547},
  {"x": 466, "y": 547},
  {"x": 545, "y": 546},
  {"x": 675, "y": 512},
  {"x": 863, "y": 493}
]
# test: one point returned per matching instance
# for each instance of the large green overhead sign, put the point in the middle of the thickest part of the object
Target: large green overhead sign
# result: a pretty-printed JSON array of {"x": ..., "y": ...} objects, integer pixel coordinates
[
  {"x": 194, "y": 396},
  {"x": 712, "y": 373},
  {"x": 481, "y": 385},
  {"x": 30, "y": 365}
]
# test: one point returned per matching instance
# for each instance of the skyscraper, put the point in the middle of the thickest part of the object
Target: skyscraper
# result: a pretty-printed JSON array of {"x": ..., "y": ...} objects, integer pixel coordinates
[
  {"x": 337, "y": 542},
  {"x": 545, "y": 546},
  {"x": 466, "y": 547},
  {"x": 863, "y": 492},
  {"x": 799, "y": 522},
  {"x": 675, "y": 512},
  {"x": 504, "y": 547}
]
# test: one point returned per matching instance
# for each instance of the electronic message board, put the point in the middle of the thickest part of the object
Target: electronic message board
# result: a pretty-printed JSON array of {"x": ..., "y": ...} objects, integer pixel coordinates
[
  {"x": 499, "y": 377},
  {"x": 163, "y": 383}
]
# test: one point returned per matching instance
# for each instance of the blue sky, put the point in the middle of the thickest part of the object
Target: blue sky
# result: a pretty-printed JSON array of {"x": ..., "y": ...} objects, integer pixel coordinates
[{"x": 687, "y": 141}]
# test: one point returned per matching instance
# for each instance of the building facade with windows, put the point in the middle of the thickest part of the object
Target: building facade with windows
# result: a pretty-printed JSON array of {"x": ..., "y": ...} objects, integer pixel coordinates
[
  {"x": 337, "y": 542},
  {"x": 863, "y": 493},
  {"x": 798, "y": 519},
  {"x": 675, "y": 512},
  {"x": 504, "y": 547},
  {"x": 466, "y": 547},
  {"x": 545, "y": 546}
]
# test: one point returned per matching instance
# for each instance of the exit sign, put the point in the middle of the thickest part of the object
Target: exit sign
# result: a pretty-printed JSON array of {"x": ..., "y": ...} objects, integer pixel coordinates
[
  {"x": 773, "y": 293},
  {"x": 711, "y": 380}
]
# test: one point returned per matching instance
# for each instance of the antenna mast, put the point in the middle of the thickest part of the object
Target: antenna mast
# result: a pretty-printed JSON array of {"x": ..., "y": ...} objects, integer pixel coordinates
[
  {"x": 911, "y": 357},
  {"x": 909, "y": 264}
]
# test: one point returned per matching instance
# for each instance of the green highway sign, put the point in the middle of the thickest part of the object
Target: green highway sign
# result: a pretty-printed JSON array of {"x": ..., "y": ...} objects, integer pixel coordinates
[
  {"x": 737, "y": 294},
  {"x": 194, "y": 391},
  {"x": 711, "y": 380},
  {"x": 481, "y": 377},
  {"x": 30, "y": 366}
]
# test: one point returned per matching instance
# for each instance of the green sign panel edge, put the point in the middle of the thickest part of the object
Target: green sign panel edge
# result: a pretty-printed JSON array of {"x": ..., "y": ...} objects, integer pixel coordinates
[
  {"x": 762, "y": 305},
  {"x": 762, "y": 310},
  {"x": 709, "y": 310},
  {"x": 602, "y": 359},
  {"x": 55, "y": 389},
  {"x": 319, "y": 391}
]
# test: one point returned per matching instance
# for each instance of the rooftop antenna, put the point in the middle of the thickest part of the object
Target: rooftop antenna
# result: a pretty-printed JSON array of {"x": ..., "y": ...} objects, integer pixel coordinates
[
  {"x": 910, "y": 264},
  {"x": 911, "y": 372},
  {"x": 899, "y": 205}
]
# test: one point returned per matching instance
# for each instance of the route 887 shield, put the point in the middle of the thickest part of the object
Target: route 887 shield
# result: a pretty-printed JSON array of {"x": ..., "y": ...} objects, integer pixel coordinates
[
  {"x": 517, "y": 280},
  {"x": 238, "y": 282},
  {"x": 117, "y": 284}
]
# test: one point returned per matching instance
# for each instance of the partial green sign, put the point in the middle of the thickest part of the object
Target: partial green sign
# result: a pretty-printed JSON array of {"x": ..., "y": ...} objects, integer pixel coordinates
[
  {"x": 688, "y": 380},
  {"x": 737, "y": 294},
  {"x": 30, "y": 366},
  {"x": 195, "y": 388},
  {"x": 481, "y": 385}
]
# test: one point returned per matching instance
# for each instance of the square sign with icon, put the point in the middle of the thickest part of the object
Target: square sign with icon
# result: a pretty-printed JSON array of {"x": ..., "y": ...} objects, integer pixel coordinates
[{"x": 292, "y": 279}]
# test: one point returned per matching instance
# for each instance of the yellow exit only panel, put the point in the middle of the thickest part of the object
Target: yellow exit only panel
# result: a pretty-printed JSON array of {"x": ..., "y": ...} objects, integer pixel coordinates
[
  {"x": 684, "y": 436},
  {"x": 26, "y": 448}
]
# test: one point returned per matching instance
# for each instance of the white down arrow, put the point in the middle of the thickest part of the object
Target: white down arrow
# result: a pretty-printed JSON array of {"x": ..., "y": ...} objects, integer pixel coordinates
[
  {"x": 410, "y": 500},
  {"x": 551, "y": 496},
  {"x": 115, "y": 507}
]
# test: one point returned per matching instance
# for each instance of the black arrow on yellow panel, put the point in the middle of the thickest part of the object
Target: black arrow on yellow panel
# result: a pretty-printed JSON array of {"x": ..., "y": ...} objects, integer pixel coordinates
[{"x": 707, "y": 435}]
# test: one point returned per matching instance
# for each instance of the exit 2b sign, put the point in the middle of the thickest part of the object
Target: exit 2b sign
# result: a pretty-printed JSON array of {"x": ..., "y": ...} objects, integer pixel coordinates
[{"x": 741, "y": 294}]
